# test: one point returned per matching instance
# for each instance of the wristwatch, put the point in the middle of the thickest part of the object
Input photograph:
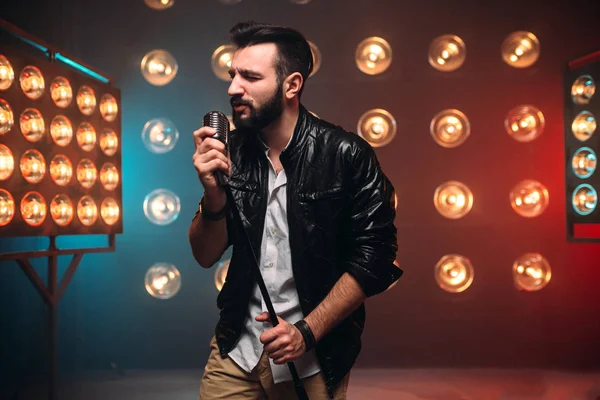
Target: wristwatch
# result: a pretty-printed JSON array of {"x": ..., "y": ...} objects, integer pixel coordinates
[{"x": 211, "y": 216}]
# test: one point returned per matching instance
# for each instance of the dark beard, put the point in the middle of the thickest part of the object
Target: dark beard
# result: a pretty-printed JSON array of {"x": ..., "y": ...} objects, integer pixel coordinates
[{"x": 262, "y": 117}]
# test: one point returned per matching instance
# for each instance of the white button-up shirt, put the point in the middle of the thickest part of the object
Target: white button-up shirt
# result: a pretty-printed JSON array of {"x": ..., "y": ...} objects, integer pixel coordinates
[{"x": 276, "y": 270}]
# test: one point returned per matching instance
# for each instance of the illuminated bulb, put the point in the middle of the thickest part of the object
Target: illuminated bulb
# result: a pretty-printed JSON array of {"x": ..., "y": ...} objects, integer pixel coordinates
[
  {"x": 531, "y": 272},
  {"x": 86, "y": 173},
  {"x": 584, "y": 162},
  {"x": 454, "y": 273},
  {"x": 453, "y": 199},
  {"x": 32, "y": 82},
  {"x": 377, "y": 126},
  {"x": 160, "y": 135},
  {"x": 162, "y": 281},
  {"x": 373, "y": 55},
  {"x": 583, "y": 89},
  {"x": 529, "y": 198},
  {"x": 520, "y": 49},
  {"x": 61, "y": 130},
  {"x": 33, "y": 208},
  {"x": 61, "y": 210},
  {"x": 109, "y": 176},
  {"x": 316, "y": 57},
  {"x": 86, "y": 136},
  {"x": 109, "y": 108},
  {"x": 109, "y": 142},
  {"x": 221, "y": 61},
  {"x": 109, "y": 210},
  {"x": 32, "y": 125},
  {"x": 33, "y": 166},
  {"x": 524, "y": 123},
  {"x": 87, "y": 211},
  {"x": 447, "y": 53},
  {"x": 584, "y": 125},
  {"x": 161, "y": 206},
  {"x": 450, "y": 128},
  {"x": 7, "y": 163},
  {"x": 7, "y": 119},
  {"x": 86, "y": 100},
  {"x": 7, "y": 207},
  {"x": 61, "y": 92},
  {"x": 585, "y": 199},
  {"x": 221, "y": 274},
  {"x": 61, "y": 170},
  {"x": 159, "y": 67},
  {"x": 7, "y": 73}
]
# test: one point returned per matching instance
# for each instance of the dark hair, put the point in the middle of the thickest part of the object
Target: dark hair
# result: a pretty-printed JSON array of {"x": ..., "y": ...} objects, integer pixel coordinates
[{"x": 294, "y": 54}]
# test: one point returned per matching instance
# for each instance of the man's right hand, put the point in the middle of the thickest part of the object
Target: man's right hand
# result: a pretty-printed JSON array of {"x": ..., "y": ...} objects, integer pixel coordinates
[{"x": 210, "y": 157}]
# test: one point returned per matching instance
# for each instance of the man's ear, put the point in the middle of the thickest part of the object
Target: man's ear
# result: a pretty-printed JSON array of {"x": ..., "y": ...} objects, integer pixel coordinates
[{"x": 293, "y": 84}]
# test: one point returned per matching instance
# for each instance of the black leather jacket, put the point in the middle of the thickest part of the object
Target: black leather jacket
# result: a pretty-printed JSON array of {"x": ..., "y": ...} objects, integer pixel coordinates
[{"x": 340, "y": 211}]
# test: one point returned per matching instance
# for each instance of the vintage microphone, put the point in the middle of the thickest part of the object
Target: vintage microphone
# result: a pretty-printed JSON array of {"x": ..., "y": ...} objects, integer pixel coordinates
[{"x": 218, "y": 121}]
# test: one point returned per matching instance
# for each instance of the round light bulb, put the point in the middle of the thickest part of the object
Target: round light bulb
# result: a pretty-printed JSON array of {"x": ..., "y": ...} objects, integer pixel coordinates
[
  {"x": 524, "y": 123},
  {"x": 520, "y": 49},
  {"x": 373, "y": 55},
  {"x": 33, "y": 166},
  {"x": 33, "y": 208},
  {"x": 221, "y": 274},
  {"x": 109, "y": 142},
  {"x": 584, "y": 125},
  {"x": 159, "y": 67},
  {"x": 87, "y": 211},
  {"x": 7, "y": 207},
  {"x": 162, "y": 281},
  {"x": 61, "y": 92},
  {"x": 531, "y": 272},
  {"x": 377, "y": 126},
  {"x": 86, "y": 173},
  {"x": 61, "y": 210},
  {"x": 529, "y": 198},
  {"x": 32, "y": 82},
  {"x": 454, "y": 273},
  {"x": 61, "y": 130},
  {"x": 584, "y": 162},
  {"x": 109, "y": 210},
  {"x": 583, "y": 89},
  {"x": 7, "y": 163},
  {"x": 109, "y": 176},
  {"x": 61, "y": 170},
  {"x": 585, "y": 199},
  {"x": 159, "y": 4},
  {"x": 447, "y": 53},
  {"x": 109, "y": 107},
  {"x": 162, "y": 207},
  {"x": 32, "y": 125},
  {"x": 7, "y": 119},
  {"x": 160, "y": 135},
  {"x": 221, "y": 61},
  {"x": 86, "y": 100},
  {"x": 7, "y": 73},
  {"x": 453, "y": 199},
  {"x": 450, "y": 128},
  {"x": 86, "y": 136}
]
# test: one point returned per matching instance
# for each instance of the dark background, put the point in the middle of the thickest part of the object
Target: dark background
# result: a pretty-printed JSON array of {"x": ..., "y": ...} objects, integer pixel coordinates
[{"x": 107, "y": 316}]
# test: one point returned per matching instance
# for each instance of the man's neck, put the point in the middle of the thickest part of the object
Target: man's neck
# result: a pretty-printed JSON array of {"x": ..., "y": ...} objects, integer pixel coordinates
[{"x": 277, "y": 135}]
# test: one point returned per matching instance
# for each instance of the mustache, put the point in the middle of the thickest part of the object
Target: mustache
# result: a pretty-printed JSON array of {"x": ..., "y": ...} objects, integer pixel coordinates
[{"x": 237, "y": 101}]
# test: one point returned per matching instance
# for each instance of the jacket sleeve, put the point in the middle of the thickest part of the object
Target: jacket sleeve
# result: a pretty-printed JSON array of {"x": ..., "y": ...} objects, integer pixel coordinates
[{"x": 372, "y": 236}]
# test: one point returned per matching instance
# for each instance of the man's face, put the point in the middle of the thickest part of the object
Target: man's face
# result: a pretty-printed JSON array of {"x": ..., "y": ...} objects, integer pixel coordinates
[{"x": 256, "y": 94}]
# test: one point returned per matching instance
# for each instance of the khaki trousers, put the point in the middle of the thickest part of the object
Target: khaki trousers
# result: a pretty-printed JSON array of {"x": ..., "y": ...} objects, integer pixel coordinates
[{"x": 224, "y": 379}]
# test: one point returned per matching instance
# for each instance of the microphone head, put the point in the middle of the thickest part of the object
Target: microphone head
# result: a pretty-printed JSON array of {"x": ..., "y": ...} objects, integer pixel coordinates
[{"x": 219, "y": 122}]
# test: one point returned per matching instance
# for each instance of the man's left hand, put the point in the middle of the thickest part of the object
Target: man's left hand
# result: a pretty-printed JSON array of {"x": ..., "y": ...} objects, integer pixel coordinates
[{"x": 284, "y": 342}]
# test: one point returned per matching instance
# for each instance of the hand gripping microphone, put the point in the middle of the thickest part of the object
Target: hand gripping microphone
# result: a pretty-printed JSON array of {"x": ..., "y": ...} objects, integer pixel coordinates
[{"x": 219, "y": 122}]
